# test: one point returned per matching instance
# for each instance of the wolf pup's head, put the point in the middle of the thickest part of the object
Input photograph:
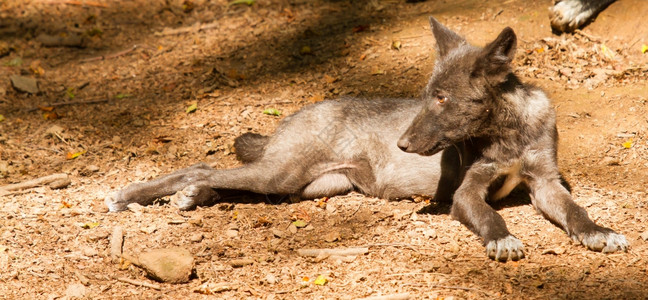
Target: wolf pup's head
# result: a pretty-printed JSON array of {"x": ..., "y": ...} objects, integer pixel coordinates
[{"x": 460, "y": 97}]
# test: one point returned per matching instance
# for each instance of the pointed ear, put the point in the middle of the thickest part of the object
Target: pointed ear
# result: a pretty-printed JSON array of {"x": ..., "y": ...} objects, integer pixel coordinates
[
  {"x": 495, "y": 59},
  {"x": 446, "y": 39}
]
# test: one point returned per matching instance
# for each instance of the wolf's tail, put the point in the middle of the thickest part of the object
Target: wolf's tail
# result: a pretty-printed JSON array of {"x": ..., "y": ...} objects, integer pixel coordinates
[{"x": 250, "y": 146}]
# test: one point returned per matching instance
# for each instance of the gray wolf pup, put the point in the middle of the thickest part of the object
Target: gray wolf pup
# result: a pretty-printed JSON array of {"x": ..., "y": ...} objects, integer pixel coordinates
[{"x": 477, "y": 130}]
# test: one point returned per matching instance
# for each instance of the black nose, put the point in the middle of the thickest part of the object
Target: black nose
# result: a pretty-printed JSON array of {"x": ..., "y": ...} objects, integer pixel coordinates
[{"x": 403, "y": 144}]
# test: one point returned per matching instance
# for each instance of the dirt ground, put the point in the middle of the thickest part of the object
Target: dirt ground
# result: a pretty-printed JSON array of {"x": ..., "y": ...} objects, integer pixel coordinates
[{"x": 112, "y": 109}]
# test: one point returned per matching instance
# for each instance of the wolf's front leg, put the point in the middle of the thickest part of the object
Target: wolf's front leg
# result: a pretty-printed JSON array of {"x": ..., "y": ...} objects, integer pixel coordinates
[
  {"x": 470, "y": 208},
  {"x": 556, "y": 204}
]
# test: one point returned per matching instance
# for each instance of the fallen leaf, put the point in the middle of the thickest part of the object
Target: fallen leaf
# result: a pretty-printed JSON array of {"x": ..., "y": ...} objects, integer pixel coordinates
[
  {"x": 321, "y": 203},
  {"x": 122, "y": 96},
  {"x": 607, "y": 52},
  {"x": 320, "y": 280},
  {"x": 51, "y": 115},
  {"x": 330, "y": 79},
  {"x": 377, "y": 71},
  {"x": 90, "y": 225},
  {"x": 70, "y": 93},
  {"x": 305, "y": 50},
  {"x": 396, "y": 45},
  {"x": 317, "y": 98},
  {"x": 305, "y": 279},
  {"x": 192, "y": 108},
  {"x": 539, "y": 50},
  {"x": 2, "y": 118},
  {"x": 36, "y": 68},
  {"x": 627, "y": 144},
  {"x": 71, "y": 155},
  {"x": 46, "y": 108},
  {"x": 237, "y": 2},
  {"x": 262, "y": 222},
  {"x": 644, "y": 48},
  {"x": 300, "y": 223},
  {"x": 360, "y": 28},
  {"x": 272, "y": 112},
  {"x": 65, "y": 204}
]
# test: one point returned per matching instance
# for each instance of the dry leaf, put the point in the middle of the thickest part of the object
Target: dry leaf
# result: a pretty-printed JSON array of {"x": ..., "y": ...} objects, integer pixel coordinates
[
  {"x": 320, "y": 280},
  {"x": 627, "y": 144},
  {"x": 71, "y": 155},
  {"x": 396, "y": 45},
  {"x": 330, "y": 79}
]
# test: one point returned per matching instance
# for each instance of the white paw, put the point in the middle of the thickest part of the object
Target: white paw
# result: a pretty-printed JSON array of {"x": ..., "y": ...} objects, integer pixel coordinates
[
  {"x": 115, "y": 203},
  {"x": 508, "y": 248},
  {"x": 568, "y": 15},
  {"x": 194, "y": 195},
  {"x": 605, "y": 242}
]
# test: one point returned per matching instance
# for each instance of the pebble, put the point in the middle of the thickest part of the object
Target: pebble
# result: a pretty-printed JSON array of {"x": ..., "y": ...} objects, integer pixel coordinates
[
  {"x": 271, "y": 279},
  {"x": 231, "y": 233},
  {"x": 196, "y": 238},
  {"x": 238, "y": 263},
  {"x": 24, "y": 84},
  {"x": 75, "y": 291},
  {"x": 89, "y": 251},
  {"x": 172, "y": 265}
]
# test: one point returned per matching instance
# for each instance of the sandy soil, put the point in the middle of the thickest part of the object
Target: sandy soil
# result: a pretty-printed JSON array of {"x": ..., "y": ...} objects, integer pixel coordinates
[{"x": 144, "y": 63}]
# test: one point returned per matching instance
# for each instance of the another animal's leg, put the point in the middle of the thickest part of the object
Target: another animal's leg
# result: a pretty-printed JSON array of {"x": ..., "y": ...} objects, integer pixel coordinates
[
  {"x": 470, "y": 208},
  {"x": 145, "y": 193}
]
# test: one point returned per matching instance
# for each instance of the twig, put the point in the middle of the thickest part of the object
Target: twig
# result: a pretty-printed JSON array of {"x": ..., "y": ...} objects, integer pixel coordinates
[
  {"x": 116, "y": 243},
  {"x": 70, "y": 103},
  {"x": 401, "y": 296},
  {"x": 193, "y": 28},
  {"x": 33, "y": 183},
  {"x": 139, "y": 283},
  {"x": 337, "y": 252},
  {"x": 588, "y": 36},
  {"x": 118, "y": 54},
  {"x": 80, "y": 3}
]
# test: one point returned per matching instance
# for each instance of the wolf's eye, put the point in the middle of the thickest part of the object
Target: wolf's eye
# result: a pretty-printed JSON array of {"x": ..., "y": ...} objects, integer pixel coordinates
[{"x": 441, "y": 99}]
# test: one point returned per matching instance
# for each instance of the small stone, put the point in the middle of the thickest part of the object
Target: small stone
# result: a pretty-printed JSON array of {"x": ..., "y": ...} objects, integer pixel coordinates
[
  {"x": 196, "y": 238},
  {"x": 610, "y": 161},
  {"x": 332, "y": 236},
  {"x": 89, "y": 251},
  {"x": 278, "y": 233},
  {"x": 173, "y": 265},
  {"x": 54, "y": 130},
  {"x": 60, "y": 183},
  {"x": 644, "y": 236},
  {"x": 231, "y": 233},
  {"x": 271, "y": 279},
  {"x": 238, "y": 263},
  {"x": 24, "y": 84},
  {"x": 292, "y": 228},
  {"x": 75, "y": 291},
  {"x": 430, "y": 233}
]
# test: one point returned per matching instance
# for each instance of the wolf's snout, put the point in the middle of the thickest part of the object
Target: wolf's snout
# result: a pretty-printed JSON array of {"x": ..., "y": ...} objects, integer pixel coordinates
[{"x": 404, "y": 144}]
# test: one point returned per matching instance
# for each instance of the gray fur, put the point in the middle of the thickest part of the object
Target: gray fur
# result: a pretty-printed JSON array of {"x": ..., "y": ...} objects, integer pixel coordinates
[
  {"x": 498, "y": 127},
  {"x": 477, "y": 128}
]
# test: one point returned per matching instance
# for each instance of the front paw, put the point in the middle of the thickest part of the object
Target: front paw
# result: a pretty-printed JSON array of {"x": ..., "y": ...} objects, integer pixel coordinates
[
  {"x": 195, "y": 195},
  {"x": 508, "y": 248},
  {"x": 116, "y": 202},
  {"x": 604, "y": 240}
]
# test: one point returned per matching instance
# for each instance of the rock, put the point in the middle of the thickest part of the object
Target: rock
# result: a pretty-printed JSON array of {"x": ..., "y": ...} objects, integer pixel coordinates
[
  {"x": 89, "y": 170},
  {"x": 271, "y": 279},
  {"x": 89, "y": 251},
  {"x": 60, "y": 183},
  {"x": 173, "y": 265},
  {"x": 610, "y": 161},
  {"x": 196, "y": 238},
  {"x": 75, "y": 291},
  {"x": 278, "y": 233},
  {"x": 332, "y": 236},
  {"x": 238, "y": 263},
  {"x": 24, "y": 84},
  {"x": 231, "y": 233}
]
